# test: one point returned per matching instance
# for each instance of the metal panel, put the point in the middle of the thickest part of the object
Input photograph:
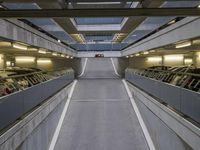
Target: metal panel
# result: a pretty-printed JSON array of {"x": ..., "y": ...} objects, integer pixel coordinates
[
  {"x": 11, "y": 108},
  {"x": 14, "y": 106},
  {"x": 190, "y": 104},
  {"x": 183, "y": 100}
]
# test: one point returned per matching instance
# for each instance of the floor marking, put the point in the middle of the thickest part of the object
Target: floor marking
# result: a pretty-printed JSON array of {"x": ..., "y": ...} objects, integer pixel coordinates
[
  {"x": 58, "y": 128},
  {"x": 141, "y": 121},
  {"x": 84, "y": 66},
  {"x": 114, "y": 67}
]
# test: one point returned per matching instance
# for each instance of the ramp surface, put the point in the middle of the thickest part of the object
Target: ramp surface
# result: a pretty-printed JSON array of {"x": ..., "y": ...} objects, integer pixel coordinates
[{"x": 100, "y": 114}]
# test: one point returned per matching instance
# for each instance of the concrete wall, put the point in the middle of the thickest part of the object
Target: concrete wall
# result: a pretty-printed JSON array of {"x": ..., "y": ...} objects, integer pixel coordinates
[
  {"x": 184, "y": 29},
  {"x": 36, "y": 129},
  {"x": 168, "y": 130},
  {"x": 13, "y": 29},
  {"x": 121, "y": 64}
]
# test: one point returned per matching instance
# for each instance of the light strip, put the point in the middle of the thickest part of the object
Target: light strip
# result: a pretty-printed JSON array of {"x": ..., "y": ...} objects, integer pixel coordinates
[
  {"x": 55, "y": 54},
  {"x": 185, "y": 44},
  {"x": 145, "y": 53},
  {"x": 32, "y": 49},
  {"x": 173, "y": 57},
  {"x": 188, "y": 60},
  {"x": 19, "y": 46},
  {"x": 44, "y": 61},
  {"x": 24, "y": 59},
  {"x": 154, "y": 59},
  {"x": 42, "y": 52}
]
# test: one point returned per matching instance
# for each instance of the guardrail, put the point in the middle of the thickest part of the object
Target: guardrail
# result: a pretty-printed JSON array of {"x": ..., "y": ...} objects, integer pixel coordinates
[
  {"x": 18, "y": 103},
  {"x": 182, "y": 99}
]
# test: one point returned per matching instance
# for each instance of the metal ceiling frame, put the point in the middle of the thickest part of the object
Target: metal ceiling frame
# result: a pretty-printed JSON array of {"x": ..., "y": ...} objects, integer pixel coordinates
[{"x": 128, "y": 12}]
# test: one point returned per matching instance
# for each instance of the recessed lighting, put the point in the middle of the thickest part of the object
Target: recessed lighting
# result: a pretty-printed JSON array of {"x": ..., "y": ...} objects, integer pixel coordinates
[
  {"x": 145, "y": 53},
  {"x": 62, "y": 55},
  {"x": 137, "y": 54},
  {"x": 59, "y": 41},
  {"x": 55, "y": 54},
  {"x": 154, "y": 59},
  {"x": 184, "y": 44},
  {"x": 19, "y": 46},
  {"x": 42, "y": 51}
]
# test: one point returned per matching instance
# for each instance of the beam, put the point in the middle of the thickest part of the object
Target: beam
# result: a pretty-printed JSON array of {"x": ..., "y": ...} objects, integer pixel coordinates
[{"x": 59, "y": 13}]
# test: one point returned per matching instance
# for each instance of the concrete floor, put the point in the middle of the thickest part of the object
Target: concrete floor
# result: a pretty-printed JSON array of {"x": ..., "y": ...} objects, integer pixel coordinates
[{"x": 100, "y": 114}]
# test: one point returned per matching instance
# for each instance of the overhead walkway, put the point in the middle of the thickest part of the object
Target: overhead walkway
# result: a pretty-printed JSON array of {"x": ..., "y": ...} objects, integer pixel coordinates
[{"x": 100, "y": 115}]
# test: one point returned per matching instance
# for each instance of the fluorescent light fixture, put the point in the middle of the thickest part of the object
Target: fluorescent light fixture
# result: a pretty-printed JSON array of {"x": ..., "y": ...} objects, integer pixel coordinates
[
  {"x": 8, "y": 63},
  {"x": 55, "y": 54},
  {"x": 32, "y": 49},
  {"x": 42, "y": 51},
  {"x": 184, "y": 44},
  {"x": 62, "y": 55},
  {"x": 152, "y": 51},
  {"x": 5, "y": 44},
  {"x": 137, "y": 54},
  {"x": 145, "y": 53},
  {"x": 45, "y": 61},
  {"x": 67, "y": 56},
  {"x": 24, "y": 59},
  {"x": 172, "y": 22},
  {"x": 173, "y": 57},
  {"x": 19, "y": 46},
  {"x": 154, "y": 59},
  {"x": 188, "y": 60},
  {"x": 98, "y": 3}
]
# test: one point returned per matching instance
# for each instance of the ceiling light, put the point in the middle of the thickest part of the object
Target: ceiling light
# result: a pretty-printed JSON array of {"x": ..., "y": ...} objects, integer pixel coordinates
[
  {"x": 152, "y": 51},
  {"x": 44, "y": 61},
  {"x": 137, "y": 54},
  {"x": 198, "y": 6},
  {"x": 172, "y": 22},
  {"x": 197, "y": 41},
  {"x": 154, "y": 59},
  {"x": 42, "y": 51},
  {"x": 8, "y": 63},
  {"x": 59, "y": 41},
  {"x": 55, "y": 54},
  {"x": 127, "y": 56},
  {"x": 184, "y": 44},
  {"x": 71, "y": 57},
  {"x": 145, "y": 53},
  {"x": 32, "y": 49},
  {"x": 24, "y": 59},
  {"x": 131, "y": 56},
  {"x": 188, "y": 60},
  {"x": 62, "y": 55},
  {"x": 19, "y": 46},
  {"x": 173, "y": 57},
  {"x": 67, "y": 56},
  {"x": 134, "y": 35}
]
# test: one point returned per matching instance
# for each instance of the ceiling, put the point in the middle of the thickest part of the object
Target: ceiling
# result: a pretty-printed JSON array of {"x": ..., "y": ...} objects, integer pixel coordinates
[{"x": 99, "y": 33}]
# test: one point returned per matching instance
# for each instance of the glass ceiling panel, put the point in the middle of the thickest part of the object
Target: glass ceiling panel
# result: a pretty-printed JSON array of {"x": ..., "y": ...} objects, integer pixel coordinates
[{"x": 99, "y": 21}]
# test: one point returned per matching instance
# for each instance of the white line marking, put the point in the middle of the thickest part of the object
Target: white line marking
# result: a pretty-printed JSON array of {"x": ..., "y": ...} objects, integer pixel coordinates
[
  {"x": 141, "y": 121},
  {"x": 84, "y": 66},
  {"x": 58, "y": 128},
  {"x": 114, "y": 67}
]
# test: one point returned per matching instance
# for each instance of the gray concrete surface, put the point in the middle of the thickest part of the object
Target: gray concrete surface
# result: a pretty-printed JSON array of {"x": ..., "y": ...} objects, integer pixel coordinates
[
  {"x": 168, "y": 130},
  {"x": 100, "y": 114}
]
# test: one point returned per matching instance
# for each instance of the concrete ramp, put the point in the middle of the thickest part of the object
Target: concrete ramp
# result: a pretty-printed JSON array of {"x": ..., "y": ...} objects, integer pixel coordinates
[{"x": 100, "y": 115}]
